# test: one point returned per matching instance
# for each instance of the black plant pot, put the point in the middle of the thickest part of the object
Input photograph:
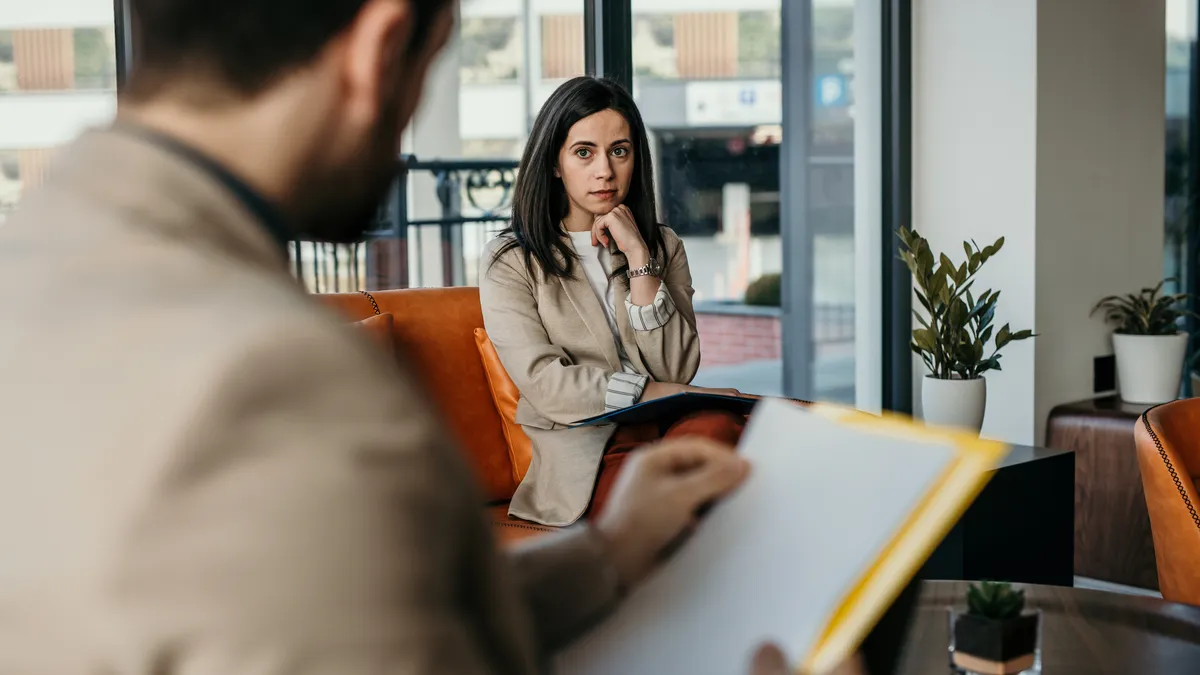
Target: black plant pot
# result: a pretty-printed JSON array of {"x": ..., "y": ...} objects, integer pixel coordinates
[{"x": 995, "y": 647}]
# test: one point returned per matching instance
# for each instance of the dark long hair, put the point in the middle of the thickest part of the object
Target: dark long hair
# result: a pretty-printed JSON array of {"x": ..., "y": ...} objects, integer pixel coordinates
[{"x": 539, "y": 197}]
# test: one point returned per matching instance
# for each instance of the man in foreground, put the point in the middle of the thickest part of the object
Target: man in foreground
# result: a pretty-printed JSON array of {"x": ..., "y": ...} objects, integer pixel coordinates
[{"x": 203, "y": 473}]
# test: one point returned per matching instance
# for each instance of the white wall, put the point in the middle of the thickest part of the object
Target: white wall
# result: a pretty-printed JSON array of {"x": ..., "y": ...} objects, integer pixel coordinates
[
  {"x": 1041, "y": 122},
  {"x": 974, "y": 165},
  {"x": 1100, "y": 172}
]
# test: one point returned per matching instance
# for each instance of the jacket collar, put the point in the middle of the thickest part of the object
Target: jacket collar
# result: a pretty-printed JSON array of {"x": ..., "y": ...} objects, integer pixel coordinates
[{"x": 270, "y": 217}]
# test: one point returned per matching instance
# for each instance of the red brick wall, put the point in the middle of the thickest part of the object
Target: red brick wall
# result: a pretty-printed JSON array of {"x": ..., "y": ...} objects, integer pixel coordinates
[{"x": 732, "y": 338}]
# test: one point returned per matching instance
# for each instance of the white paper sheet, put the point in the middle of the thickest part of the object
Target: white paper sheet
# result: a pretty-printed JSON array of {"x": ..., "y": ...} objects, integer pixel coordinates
[{"x": 772, "y": 562}]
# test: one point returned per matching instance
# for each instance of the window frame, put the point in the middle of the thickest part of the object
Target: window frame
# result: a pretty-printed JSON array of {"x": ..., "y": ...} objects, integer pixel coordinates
[
  {"x": 123, "y": 32},
  {"x": 1192, "y": 225},
  {"x": 608, "y": 40},
  {"x": 897, "y": 389}
]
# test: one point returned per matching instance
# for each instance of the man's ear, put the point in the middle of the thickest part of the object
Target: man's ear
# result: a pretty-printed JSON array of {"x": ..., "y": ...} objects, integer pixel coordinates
[{"x": 375, "y": 44}]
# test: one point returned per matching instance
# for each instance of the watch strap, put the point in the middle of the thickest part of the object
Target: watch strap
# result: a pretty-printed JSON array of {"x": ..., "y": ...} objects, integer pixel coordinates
[{"x": 649, "y": 269}]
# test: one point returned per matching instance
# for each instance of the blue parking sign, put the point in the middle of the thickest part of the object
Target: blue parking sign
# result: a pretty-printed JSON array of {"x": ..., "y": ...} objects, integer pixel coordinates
[{"x": 830, "y": 91}]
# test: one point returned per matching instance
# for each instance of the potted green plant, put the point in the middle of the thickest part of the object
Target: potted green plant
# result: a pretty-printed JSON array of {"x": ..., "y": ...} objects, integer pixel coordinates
[
  {"x": 1148, "y": 344},
  {"x": 996, "y": 636},
  {"x": 955, "y": 330}
]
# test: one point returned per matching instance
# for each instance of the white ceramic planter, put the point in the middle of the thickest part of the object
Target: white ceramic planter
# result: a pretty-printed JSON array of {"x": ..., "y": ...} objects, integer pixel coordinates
[
  {"x": 954, "y": 403},
  {"x": 1149, "y": 366}
]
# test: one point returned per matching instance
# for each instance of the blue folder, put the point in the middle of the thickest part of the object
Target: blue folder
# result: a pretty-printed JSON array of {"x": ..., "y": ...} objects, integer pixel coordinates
[{"x": 670, "y": 408}]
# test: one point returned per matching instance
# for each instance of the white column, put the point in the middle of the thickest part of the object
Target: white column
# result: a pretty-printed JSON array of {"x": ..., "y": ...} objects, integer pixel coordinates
[{"x": 1042, "y": 122}]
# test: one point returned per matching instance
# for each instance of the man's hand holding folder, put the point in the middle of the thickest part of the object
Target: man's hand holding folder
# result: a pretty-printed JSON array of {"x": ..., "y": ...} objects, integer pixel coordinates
[
  {"x": 659, "y": 498},
  {"x": 770, "y": 661},
  {"x": 682, "y": 473}
]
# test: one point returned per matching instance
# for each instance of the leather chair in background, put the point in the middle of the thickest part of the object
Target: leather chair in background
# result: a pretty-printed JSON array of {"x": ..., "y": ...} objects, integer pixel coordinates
[{"x": 1168, "y": 449}]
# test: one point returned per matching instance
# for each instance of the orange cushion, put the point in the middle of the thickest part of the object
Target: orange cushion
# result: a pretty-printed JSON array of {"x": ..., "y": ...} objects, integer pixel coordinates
[
  {"x": 505, "y": 395},
  {"x": 379, "y": 329}
]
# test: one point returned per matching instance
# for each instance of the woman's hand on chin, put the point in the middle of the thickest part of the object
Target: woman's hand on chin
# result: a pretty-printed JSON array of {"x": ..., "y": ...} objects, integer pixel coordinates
[
  {"x": 618, "y": 225},
  {"x": 655, "y": 390}
]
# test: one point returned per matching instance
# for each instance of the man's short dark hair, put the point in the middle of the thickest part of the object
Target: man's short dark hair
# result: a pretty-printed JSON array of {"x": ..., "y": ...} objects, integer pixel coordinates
[{"x": 245, "y": 44}]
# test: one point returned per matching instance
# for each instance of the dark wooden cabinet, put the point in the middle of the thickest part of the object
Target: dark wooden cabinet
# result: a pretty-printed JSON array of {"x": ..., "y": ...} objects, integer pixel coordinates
[
  {"x": 1019, "y": 527},
  {"x": 1112, "y": 528}
]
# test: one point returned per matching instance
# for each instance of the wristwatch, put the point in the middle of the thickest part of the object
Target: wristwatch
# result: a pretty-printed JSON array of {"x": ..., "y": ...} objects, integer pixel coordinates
[{"x": 650, "y": 269}]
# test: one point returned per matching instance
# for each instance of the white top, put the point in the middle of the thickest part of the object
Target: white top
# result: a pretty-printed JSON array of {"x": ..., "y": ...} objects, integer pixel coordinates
[{"x": 597, "y": 266}]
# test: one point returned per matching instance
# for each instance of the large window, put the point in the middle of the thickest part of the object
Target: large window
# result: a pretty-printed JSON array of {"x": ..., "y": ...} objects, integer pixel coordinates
[
  {"x": 1181, "y": 21},
  {"x": 709, "y": 77},
  {"x": 480, "y": 100},
  {"x": 710, "y": 85},
  {"x": 57, "y": 76},
  {"x": 511, "y": 55},
  {"x": 716, "y": 130},
  {"x": 479, "y": 106}
]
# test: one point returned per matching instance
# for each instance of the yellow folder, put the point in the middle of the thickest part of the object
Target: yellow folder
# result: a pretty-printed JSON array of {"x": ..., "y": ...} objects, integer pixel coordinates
[
  {"x": 840, "y": 511},
  {"x": 925, "y": 527}
]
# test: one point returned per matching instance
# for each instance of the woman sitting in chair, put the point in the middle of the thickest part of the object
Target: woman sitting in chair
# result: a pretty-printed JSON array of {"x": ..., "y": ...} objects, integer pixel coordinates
[{"x": 588, "y": 301}]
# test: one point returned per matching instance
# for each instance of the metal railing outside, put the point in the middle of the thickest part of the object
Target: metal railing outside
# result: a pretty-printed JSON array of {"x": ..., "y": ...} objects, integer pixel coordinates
[{"x": 475, "y": 198}]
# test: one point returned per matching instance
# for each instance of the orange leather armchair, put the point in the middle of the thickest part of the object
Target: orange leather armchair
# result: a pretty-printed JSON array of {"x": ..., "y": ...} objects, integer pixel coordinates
[
  {"x": 434, "y": 332},
  {"x": 1168, "y": 449}
]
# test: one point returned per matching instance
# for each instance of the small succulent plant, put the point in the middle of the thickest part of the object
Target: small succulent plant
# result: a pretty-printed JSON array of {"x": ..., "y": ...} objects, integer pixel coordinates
[{"x": 995, "y": 600}]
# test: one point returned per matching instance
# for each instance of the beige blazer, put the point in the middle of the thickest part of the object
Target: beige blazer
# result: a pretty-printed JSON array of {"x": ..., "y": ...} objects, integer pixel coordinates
[
  {"x": 203, "y": 472},
  {"x": 556, "y": 344}
]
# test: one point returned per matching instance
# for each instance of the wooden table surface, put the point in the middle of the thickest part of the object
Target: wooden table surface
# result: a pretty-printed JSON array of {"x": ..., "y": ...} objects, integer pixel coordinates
[{"x": 1084, "y": 631}]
